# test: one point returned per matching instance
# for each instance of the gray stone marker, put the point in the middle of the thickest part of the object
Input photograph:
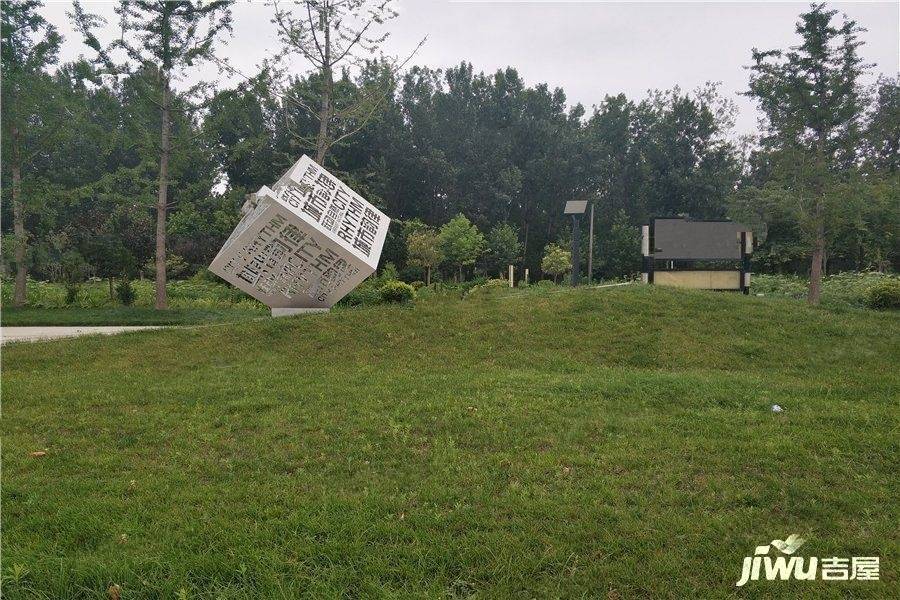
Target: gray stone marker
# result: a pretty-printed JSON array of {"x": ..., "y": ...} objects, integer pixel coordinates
[{"x": 304, "y": 243}]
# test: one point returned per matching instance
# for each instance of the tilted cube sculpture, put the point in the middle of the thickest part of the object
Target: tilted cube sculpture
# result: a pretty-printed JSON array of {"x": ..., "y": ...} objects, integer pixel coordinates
[{"x": 303, "y": 244}]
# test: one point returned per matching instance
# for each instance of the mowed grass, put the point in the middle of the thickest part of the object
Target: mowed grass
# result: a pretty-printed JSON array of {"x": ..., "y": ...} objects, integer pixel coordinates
[
  {"x": 613, "y": 443},
  {"x": 13, "y": 317}
]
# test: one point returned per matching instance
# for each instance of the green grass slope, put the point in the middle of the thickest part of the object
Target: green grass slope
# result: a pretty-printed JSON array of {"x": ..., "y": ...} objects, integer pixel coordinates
[{"x": 611, "y": 443}]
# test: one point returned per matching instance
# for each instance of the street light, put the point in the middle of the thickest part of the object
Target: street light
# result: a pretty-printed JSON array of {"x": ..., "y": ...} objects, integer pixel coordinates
[{"x": 575, "y": 208}]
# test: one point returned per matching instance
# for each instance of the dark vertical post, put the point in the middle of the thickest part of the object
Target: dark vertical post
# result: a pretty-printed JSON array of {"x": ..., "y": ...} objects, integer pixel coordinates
[
  {"x": 576, "y": 246},
  {"x": 590, "y": 273},
  {"x": 745, "y": 264},
  {"x": 645, "y": 254}
]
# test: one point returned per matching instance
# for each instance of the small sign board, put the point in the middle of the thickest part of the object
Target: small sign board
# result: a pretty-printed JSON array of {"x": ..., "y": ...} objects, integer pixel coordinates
[
  {"x": 682, "y": 252},
  {"x": 697, "y": 240},
  {"x": 575, "y": 207}
]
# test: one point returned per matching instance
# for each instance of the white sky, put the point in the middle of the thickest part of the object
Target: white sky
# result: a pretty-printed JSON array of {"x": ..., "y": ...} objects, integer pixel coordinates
[{"x": 590, "y": 49}]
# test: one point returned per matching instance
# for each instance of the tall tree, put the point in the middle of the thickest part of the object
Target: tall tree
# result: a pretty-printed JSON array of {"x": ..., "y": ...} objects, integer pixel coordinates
[
  {"x": 161, "y": 39},
  {"x": 811, "y": 99},
  {"x": 332, "y": 36},
  {"x": 31, "y": 112}
]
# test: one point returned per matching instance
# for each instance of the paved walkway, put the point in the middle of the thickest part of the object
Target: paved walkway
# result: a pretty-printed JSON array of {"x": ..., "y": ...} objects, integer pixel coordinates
[{"x": 32, "y": 334}]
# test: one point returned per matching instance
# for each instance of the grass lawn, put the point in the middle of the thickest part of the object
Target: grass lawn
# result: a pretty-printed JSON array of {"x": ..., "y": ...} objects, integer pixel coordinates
[
  {"x": 12, "y": 317},
  {"x": 613, "y": 443},
  {"x": 192, "y": 302}
]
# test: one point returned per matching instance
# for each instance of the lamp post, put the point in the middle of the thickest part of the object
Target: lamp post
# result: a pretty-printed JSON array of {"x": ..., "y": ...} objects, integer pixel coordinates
[
  {"x": 575, "y": 208},
  {"x": 590, "y": 272}
]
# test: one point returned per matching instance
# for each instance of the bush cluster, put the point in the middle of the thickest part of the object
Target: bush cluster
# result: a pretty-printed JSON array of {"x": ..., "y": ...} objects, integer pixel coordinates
[
  {"x": 397, "y": 292},
  {"x": 840, "y": 290},
  {"x": 125, "y": 292},
  {"x": 884, "y": 295}
]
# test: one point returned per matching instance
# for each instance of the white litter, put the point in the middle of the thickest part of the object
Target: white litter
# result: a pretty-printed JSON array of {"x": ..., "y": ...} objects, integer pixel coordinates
[{"x": 777, "y": 409}]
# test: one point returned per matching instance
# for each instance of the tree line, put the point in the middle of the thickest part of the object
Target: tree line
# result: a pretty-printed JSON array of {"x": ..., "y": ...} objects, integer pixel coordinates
[{"x": 118, "y": 168}]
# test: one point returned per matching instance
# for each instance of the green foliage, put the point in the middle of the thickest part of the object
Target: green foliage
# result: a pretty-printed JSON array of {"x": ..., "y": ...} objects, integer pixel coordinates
[
  {"x": 195, "y": 293},
  {"x": 556, "y": 261},
  {"x": 620, "y": 249},
  {"x": 175, "y": 266},
  {"x": 839, "y": 291},
  {"x": 204, "y": 275},
  {"x": 394, "y": 292},
  {"x": 125, "y": 292},
  {"x": 461, "y": 242},
  {"x": 810, "y": 95},
  {"x": 388, "y": 272},
  {"x": 503, "y": 248},
  {"x": 663, "y": 174},
  {"x": 884, "y": 295},
  {"x": 423, "y": 249},
  {"x": 174, "y": 36},
  {"x": 457, "y": 289},
  {"x": 72, "y": 291},
  {"x": 882, "y": 133},
  {"x": 199, "y": 227},
  {"x": 489, "y": 286},
  {"x": 368, "y": 293},
  {"x": 365, "y": 294}
]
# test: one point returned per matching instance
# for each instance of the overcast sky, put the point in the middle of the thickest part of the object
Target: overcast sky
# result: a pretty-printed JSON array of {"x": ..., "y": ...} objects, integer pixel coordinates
[{"x": 590, "y": 49}]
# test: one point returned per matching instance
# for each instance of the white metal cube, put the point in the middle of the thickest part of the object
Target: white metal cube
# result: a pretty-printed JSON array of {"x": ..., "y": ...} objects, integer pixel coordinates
[{"x": 304, "y": 243}]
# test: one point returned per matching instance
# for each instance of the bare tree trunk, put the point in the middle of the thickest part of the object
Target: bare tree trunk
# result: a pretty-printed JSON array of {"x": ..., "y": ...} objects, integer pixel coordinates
[
  {"x": 19, "y": 297},
  {"x": 327, "y": 90},
  {"x": 162, "y": 301},
  {"x": 427, "y": 275},
  {"x": 815, "y": 270}
]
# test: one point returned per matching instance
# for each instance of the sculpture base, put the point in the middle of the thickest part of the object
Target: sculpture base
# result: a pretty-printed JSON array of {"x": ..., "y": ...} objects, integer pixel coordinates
[{"x": 289, "y": 312}]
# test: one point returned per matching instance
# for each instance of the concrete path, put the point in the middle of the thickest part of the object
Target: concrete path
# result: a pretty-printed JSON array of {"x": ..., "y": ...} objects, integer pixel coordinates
[{"x": 32, "y": 334}]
